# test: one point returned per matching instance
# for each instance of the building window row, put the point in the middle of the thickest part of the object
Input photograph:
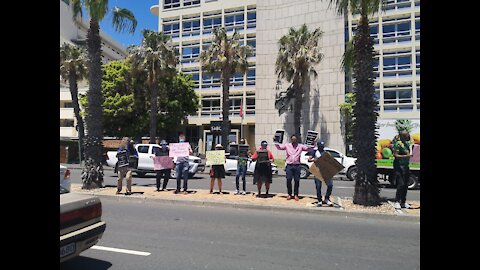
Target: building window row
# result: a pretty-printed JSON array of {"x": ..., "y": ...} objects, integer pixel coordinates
[{"x": 211, "y": 105}]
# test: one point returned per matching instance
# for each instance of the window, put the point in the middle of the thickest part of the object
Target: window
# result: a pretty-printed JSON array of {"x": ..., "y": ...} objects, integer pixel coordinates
[
  {"x": 251, "y": 19},
  {"x": 398, "y": 97},
  {"x": 374, "y": 32},
  {"x": 418, "y": 96},
  {"x": 397, "y": 4},
  {"x": 236, "y": 80},
  {"x": 250, "y": 108},
  {"x": 334, "y": 154},
  {"x": 190, "y": 52},
  {"x": 171, "y": 28},
  {"x": 252, "y": 42},
  {"x": 155, "y": 149},
  {"x": 195, "y": 75},
  {"x": 417, "y": 62},
  {"x": 251, "y": 76},
  {"x": 211, "y": 106},
  {"x": 210, "y": 80},
  {"x": 234, "y": 20},
  {"x": 191, "y": 2},
  {"x": 171, "y": 4},
  {"x": 234, "y": 104},
  {"x": 206, "y": 45},
  {"x": 143, "y": 149},
  {"x": 397, "y": 64},
  {"x": 211, "y": 23},
  {"x": 191, "y": 28},
  {"x": 417, "y": 28},
  {"x": 396, "y": 30}
]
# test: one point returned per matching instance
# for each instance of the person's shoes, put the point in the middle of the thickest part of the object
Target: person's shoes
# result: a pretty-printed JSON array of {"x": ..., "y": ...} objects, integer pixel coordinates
[
  {"x": 289, "y": 198},
  {"x": 211, "y": 192},
  {"x": 176, "y": 191},
  {"x": 296, "y": 198},
  {"x": 220, "y": 192},
  {"x": 162, "y": 189},
  {"x": 405, "y": 205},
  {"x": 128, "y": 193},
  {"x": 396, "y": 205},
  {"x": 328, "y": 202},
  {"x": 185, "y": 192},
  {"x": 319, "y": 204},
  {"x": 158, "y": 190},
  {"x": 236, "y": 192},
  {"x": 118, "y": 192},
  {"x": 244, "y": 193}
]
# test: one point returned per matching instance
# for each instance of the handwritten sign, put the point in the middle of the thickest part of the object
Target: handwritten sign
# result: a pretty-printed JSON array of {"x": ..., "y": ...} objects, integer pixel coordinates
[
  {"x": 162, "y": 163},
  {"x": 122, "y": 157},
  {"x": 325, "y": 167},
  {"x": 243, "y": 150},
  {"x": 311, "y": 137},
  {"x": 215, "y": 157},
  {"x": 179, "y": 149},
  {"x": 262, "y": 156},
  {"x": 415, "y": 154},
  {"x": 279, "y": 136}
]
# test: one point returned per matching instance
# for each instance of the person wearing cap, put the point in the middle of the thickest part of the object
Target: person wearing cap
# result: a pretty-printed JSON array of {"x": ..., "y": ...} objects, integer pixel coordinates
[
  {"x": 182, "y": 167},
  {"x": 241, "y": 171},
  {"x": 314, "y": 155},
  {"x": 126, "y": 171},
  {"x": 294, "y": 151},
  {"x": 163, "y": 151},
  {"x": 263, "y": 170},
  {"x": 217, "y": 172}
]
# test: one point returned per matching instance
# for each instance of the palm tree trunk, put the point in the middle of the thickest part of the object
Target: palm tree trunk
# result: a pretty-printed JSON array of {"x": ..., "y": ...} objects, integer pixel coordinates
[
  {"x": 93, "y": 171},
  {"x": 153, "y": 112},
  {"x": 297, "y": 110},
  {"x": 72, "y": 80},
  {"x": 366, "y": 185},
  {"x": 225, "y": 108}
]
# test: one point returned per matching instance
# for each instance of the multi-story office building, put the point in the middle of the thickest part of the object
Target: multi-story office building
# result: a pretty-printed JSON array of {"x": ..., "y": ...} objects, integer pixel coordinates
[
  {"x": 396, "y": 32},
  {"x": 75, "y": 34},
  {"x": 190, "y": 23}
]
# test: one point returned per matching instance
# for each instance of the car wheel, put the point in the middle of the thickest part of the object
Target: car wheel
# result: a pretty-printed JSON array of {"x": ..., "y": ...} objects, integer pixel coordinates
[
  {"x": 304, "y": 172},
  {"x": 352, "y": 173},
  {"x": 412, "y": 182},
  {"x": 141, "y": 174},
  {"x": 173, "y": 174}
]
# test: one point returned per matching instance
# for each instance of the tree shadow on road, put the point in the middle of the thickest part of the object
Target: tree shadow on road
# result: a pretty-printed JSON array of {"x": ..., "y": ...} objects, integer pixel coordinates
[{"x": 82, "y": 263}]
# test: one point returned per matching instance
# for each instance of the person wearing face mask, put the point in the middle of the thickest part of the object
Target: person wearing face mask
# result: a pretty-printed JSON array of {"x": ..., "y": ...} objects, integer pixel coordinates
[
  {"x": 241, "y": 171},
  {"x": 125, "y": 171},
  {"x": 217, "y": 172},
  {"x": 294, "y": 151},
  {"x": 314, "y": 155},
  {"x": 263, "y": 170},
  {"x": 163, "y": 151},
  {"x": 401, "y": 152},
  {"x": 182, "y": 167}
]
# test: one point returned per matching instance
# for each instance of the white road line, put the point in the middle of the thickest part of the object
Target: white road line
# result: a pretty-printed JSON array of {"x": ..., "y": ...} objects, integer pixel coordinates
[{"x": 119, "y": 250}]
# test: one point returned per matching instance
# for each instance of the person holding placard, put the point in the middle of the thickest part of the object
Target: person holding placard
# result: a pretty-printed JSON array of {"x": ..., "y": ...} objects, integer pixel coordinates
[
  {"x": 241, "y": 168},
  {"x": 401, "y": 152},
  {"x": 314, "y": 155},
  {"x": 263, "y": 168},
  {"x": 217, "y": 171},
  {"x": 124, "y": 170},
  {"x": 294, "y": 151},
  {"x": 182, "y": 167},
  {"x": 164, "y": 173}
]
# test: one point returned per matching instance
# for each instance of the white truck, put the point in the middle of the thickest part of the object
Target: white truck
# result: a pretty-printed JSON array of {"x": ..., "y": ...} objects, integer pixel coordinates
[
  {"x": 145, "y": 161},
  {"x": 347, "y": 162}
]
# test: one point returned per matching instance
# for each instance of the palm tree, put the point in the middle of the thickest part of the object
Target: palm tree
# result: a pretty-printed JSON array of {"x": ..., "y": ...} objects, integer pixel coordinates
[
  {"x": 227, "y": 56},
  {"x": 298, "y": 54},
  {"x": 122, "y": 20},
  {"x": 157, "y": 58},
  {"x": 73, "y": 68},
  {"x": 361, "y": 58}
]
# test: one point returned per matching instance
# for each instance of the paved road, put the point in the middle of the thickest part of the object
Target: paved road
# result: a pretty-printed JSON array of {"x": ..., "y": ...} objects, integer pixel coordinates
[
  {"x": 183, "y": 237},
  {"x": 342, "y": 188}
]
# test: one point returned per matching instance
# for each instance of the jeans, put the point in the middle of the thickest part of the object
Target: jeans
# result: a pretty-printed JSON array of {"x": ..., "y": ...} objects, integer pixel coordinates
[
  {"x": 182, "y": 171},
  {"x": 402, "y": 173},
  {"x": 293, "y": 171},
  {"x": 318, "y": 186},
  {"x": 165, "y": 174},
  {"x": 241, "y": 171}
]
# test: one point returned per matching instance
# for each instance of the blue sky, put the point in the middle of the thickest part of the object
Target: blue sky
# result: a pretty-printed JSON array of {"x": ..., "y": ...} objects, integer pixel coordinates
[{"x": 145, "y": 19}]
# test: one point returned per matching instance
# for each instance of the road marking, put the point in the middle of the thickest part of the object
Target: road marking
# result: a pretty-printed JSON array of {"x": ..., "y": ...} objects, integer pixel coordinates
[{"x": 119, "y": 250}]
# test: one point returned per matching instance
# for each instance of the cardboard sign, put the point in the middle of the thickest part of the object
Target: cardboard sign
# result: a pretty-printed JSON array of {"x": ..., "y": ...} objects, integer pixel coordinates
[
  {"x": 279, "y": 133},
  {"x": 311, "y": 137},
  {"x": 243, "y": 150},
  {"x": 122, "y": 157},
  {"x": 215, "y": 157},
  {"x": 262, "y": 156},
  {"x": 415, "y": 154},
  {"x": 325, "y": 167},
  {"x": 162, "y": 163},
  {"x": 233, "y": 150},
  {"x": 133, "y": 162},
  {"x": 179, "y": 149}
]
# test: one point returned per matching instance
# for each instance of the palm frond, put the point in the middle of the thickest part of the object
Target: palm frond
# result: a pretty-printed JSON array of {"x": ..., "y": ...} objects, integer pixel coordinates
[
  {"x": 123, "y": 20},
  {"x": 96, "y": 8},
  {"x": 76, "y": 6},
  {"x": 348, "y": 57}
]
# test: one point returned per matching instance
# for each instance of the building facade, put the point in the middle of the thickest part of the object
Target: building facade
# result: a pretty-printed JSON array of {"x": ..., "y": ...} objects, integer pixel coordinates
[{"x": 75, "y": 34}]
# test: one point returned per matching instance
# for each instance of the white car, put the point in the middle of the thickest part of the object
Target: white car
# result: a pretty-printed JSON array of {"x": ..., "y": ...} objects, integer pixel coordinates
[
  {"x": 231, "y": 167},
  {"x": 65, "y": 181},
  {"x": 347, "y": 162}
]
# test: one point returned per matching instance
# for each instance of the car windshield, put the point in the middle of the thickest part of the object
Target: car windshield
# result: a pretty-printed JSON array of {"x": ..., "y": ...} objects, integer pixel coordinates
[{"x": 63, "y": 190}]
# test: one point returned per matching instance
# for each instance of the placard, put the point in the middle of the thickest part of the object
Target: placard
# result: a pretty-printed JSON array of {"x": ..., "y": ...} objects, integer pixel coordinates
[
  {"x": 233, "y": 149},
  {"x": 278, "y": 138},
  {"x": 133, "y": 162},
  {"x": 162, "y": 163},
  {"x": 243, "y": 150},
  {"x": 122, "y": 157},
  {"x": 215, "y": 157},
  {"x": 311, "y": 137},
  {"x": 179, "y": 149},
  {"x": 325, "y": 167},
  {"x": 262, "y": 156}
]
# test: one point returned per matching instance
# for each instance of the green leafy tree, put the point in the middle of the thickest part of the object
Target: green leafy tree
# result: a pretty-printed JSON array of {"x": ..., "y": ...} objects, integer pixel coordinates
[
  {"x": 227, "y": 56},
  {"x": 157, "y": 58},
  {"x": 360, "y": 57},
  {"x": 347, "y": 119},
  {"x": 122, "y": 20},
  {"x": 298, "y": 54},
  {"x": 73, "y": 69}
]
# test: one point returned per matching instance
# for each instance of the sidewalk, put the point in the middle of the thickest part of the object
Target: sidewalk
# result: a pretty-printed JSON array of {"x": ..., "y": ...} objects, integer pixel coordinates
[{"x": 274, "y": 202}]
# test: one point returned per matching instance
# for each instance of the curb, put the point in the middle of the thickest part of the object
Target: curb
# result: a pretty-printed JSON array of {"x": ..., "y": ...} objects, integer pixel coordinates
[{"x": 322, "y": 210}]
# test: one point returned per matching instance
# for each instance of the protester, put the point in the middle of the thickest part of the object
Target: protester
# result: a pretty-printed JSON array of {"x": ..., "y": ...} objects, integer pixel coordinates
[
  {"x": 125, "y": 171},
  {"x": 401, "y": 152},
  {"x": 182, "y": 167},
  {"x": 314, "y": 155},
  {"x": 163, "y": 151},
  {"x": 263, "y": 170},
  {"x": 217, "y": 172},
  {"x": 241, "y": 171}
]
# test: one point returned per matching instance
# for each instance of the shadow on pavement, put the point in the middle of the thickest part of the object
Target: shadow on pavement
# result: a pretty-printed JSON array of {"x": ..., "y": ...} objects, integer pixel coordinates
[{"x": 82, "y": 262}]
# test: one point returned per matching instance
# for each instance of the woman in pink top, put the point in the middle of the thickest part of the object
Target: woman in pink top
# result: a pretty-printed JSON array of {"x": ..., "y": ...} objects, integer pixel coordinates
[{"x": 294, "y": 152}]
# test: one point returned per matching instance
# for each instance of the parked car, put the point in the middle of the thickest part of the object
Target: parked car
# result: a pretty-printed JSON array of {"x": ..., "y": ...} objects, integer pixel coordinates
[
  {"x": 65, "y": 177},
  {"x": 145, "y": 162},
  {"x": 347, "y": 162},
  {"x": 81, "y": 224},
  {"x": 231, "y": 166}
]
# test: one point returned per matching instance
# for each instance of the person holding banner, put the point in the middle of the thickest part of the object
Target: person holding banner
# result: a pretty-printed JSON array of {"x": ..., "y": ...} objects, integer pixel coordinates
[
  {"x": 241, "y": 170},
  {"x": 294, "y": 151},
  {"x": 162, "y": 173},
  {"x": 263, "y": 168},
  {"x": 124, "y": 170},
  {"x": 314, "y": 155},
  {"x": 217, "y": 172},
  {"x": 182, "y": 167}
]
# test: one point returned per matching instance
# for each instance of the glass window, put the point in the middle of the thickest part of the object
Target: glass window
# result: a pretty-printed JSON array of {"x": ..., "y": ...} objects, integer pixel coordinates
[
  {"x": 251, "y": 19},
  {"x": 191, "y": 28},
  {"x": 389, "y": 97},
  {"x": 171, "y": 4},
  {"x": 334, "y": 153},
  {"x": 405, "y": 96},
  {"x": 143, "y": 149},
  {"x": 191, "y": 2},
  {"x": 388, "y": 28}
]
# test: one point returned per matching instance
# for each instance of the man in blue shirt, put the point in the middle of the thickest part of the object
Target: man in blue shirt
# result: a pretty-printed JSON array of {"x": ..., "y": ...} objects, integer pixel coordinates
[
  {"x": 124, "y": 170},
  {"x": 314, "y": 155}
]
